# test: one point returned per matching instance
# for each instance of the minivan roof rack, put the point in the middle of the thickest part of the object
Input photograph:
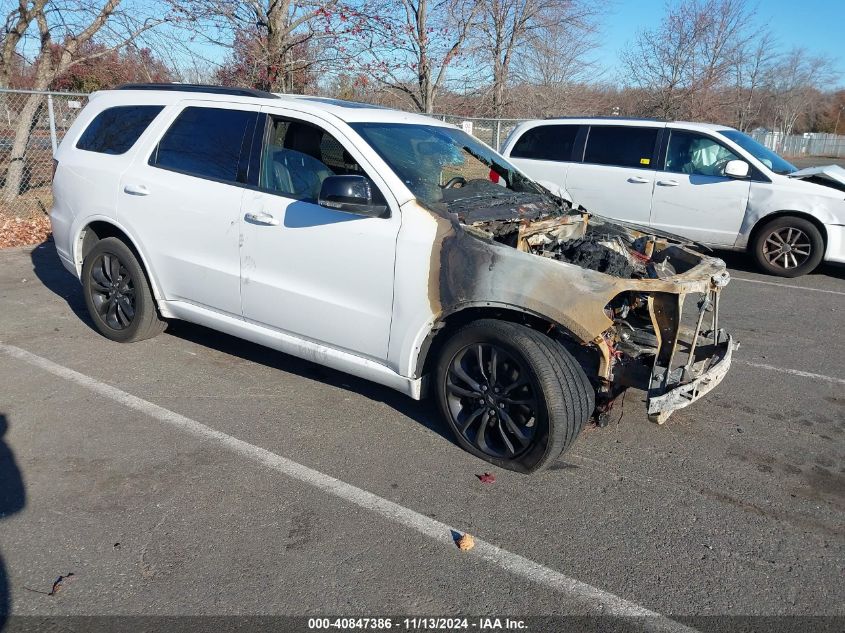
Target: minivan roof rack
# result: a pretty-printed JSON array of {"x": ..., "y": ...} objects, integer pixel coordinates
[
  {"x": 607, "y": 117},
  {"x": 219, "y": 90}
]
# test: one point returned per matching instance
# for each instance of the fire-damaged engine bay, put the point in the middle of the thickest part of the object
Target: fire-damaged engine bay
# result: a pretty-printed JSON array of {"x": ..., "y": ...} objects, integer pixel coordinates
[
  {"x": 537, "y": 224},
  {"x": 647, "y": 346}
]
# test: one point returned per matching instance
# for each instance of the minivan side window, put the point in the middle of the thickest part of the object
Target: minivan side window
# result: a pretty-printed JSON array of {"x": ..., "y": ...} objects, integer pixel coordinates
[
  {"x": 546, "y": 142},
  {"x": 696, "y": 154},
  {"x": 207, "y": 143},
  {"x": 115, "y": 130},
  {"x": 621, "y": 146}
]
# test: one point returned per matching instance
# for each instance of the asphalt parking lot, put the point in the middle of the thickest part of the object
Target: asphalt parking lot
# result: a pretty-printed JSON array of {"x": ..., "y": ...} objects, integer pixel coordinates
[{"x": 198, "y": 474}]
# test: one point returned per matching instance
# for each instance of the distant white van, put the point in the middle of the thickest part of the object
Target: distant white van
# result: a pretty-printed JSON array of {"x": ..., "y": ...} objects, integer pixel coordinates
[{"x": 705, "y": 182}]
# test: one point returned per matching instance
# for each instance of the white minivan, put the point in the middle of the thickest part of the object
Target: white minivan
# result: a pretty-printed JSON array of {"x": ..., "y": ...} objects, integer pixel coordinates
[{"x": 706, "y": 182}]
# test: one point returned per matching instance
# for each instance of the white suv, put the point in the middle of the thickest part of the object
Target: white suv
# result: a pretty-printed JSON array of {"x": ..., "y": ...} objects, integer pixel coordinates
[
  {"x": 384, "y": 244},
  {"x": 706, "y": 182}
]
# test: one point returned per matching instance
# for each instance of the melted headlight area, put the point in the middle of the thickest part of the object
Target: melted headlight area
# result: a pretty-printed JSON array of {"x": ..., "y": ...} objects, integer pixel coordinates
[{"x": 673, "y": 354}]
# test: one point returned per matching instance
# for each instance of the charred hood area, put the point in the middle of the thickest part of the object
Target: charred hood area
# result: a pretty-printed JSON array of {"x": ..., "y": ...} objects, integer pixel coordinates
[{"x": 538, "y": 224}]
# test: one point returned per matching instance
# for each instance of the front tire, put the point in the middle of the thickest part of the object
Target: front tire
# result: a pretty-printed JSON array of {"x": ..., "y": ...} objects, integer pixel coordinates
[
  {"x": 117, "y": 294},
  {"x": 788, "y": 246},
  {"x": 511, "y": 395}
]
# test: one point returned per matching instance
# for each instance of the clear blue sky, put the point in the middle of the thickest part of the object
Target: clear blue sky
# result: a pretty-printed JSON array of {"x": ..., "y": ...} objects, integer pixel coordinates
[{"x": 818, "y": 25}]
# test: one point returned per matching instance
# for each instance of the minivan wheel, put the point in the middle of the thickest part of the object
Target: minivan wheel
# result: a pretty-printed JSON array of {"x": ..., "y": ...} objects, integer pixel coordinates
[
  {"x": 511, "y": 395},
  {"x": 117, "y": 294},
  {"x": 788, "y": 246}
]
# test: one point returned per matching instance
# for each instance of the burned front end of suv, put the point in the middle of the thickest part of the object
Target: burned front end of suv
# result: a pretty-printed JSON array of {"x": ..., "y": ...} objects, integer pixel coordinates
[{"x": 636, "y": 308}]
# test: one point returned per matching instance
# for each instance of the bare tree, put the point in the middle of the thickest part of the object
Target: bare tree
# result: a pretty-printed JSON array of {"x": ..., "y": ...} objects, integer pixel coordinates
[
  {"x": 18, "y": 22},
  {"x": 794, "y": 83},
  {"x": 749, "y": 72},
  {"x": 684, "y": 63},
  {"x": 554, "y": 69},
  {"x": 509, "y": 27},
  {"x": 277, "y": 38},
  {"x": 411, "y": 45},
  {"x": 64, "y": 29}
]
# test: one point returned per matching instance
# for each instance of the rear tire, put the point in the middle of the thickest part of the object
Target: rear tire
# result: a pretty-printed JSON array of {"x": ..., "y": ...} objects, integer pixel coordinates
[
  {"x": 522, "y": 428},
  {"x": 117, "y": 293},
  {"x": 788, "y": 246}
]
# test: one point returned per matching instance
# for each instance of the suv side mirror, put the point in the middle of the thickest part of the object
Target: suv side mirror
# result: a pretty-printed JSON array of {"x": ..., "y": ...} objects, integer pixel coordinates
[
  {"x": 352, "y": 194},
  {"x": 737, "y": 169}
]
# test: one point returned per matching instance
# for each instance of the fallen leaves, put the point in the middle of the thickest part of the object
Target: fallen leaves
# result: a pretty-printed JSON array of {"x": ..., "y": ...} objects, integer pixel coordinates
[
  {"x": 59, "y": 582},
  {"x": 465, "y": 542},
  {"x": 487, "y": 478},
  {"x": 15, "y": 231}
]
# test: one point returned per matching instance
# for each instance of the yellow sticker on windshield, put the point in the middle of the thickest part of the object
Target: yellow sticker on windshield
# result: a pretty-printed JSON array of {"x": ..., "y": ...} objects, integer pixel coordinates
[{"x": 645, "y": 161}]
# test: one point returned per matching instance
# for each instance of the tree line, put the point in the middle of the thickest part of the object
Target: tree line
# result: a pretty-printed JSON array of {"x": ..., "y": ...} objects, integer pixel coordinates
[{"x": 708, "y": 60}]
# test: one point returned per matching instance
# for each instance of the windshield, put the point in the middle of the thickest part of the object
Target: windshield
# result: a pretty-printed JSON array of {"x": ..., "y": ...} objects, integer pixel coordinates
[
  {"x": 442, "y": 165},
  {"x": 760, "y": 152}
]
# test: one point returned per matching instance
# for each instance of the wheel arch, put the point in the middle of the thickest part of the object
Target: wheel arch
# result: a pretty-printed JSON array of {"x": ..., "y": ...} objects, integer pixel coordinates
[
  {"x": 762, "y": 222},
  {"x": 448, "y": 323},
  {"x": 99, "y": 229}
]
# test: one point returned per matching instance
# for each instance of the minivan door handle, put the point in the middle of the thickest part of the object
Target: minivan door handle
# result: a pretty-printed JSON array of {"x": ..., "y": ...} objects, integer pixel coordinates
[
  {"x": 136, "y": 190},
  {"x": 638, "y": 180},
  {"x": 261, "y": 218},
  {"x": 667, "y": 183}
]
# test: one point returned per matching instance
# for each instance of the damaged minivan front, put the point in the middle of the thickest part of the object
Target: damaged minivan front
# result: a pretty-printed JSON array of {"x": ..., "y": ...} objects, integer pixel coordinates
[{"x": 614, "y": 295}]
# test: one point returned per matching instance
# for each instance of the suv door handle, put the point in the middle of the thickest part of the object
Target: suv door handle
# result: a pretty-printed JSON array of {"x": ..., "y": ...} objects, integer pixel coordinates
[
  {"x": 261, "y": 218},
  {"x": 638, "y": 179},
  {"x": 667, "y": 183},
  {"x": 136, "y": 190}
]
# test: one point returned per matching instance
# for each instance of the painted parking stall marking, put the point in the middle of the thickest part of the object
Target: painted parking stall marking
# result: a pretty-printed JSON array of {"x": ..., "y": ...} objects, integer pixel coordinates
[
  {"x": 597, "y": 600},
  {"x": 791, "y": 286}
]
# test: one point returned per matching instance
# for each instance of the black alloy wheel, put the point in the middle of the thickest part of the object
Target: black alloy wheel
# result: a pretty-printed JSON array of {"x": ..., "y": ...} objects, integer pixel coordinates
[
  {"x": 510, "y": 394},
  {"x": 112, "y": 291},
  {"x": 118, "y": 294},
  {"x": 492, "y": 400}
]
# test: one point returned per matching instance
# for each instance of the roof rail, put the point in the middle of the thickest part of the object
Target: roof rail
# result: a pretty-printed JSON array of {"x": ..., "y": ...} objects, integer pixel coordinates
[
  {"x": 607, "y": 118},
  {"x": 218, "y": 90}
]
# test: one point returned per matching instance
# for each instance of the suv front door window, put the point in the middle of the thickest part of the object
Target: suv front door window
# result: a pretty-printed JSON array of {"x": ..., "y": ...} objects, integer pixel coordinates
[
  {"x": 343, "y": 263},
  {"x": 692, "y": 196}
]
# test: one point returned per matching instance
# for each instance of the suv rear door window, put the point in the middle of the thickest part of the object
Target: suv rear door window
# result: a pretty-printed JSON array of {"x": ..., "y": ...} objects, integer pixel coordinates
[
  {"x": 546, "y": 142},
  {"x": 208, "y": 143},
  {"x": 115, "y": 130},
  {"x": 621, "y": 146}
]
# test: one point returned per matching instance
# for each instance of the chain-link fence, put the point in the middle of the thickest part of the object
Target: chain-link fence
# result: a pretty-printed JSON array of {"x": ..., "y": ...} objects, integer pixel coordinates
[
  {"x": 810, "y": 144},
  {"x": 33, "y": 123},
  {"x": 31, "y": 126},
  {"x": 491, "y": 131}
]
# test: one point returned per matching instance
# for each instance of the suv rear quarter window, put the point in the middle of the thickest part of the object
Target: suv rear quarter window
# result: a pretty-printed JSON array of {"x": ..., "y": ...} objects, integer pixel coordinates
[
  {"x": 621, "y": 146},
  {"x": 546, "y": 142},
  {"x": 115, "y": 130},
  {"x": 210, "y": 143}
]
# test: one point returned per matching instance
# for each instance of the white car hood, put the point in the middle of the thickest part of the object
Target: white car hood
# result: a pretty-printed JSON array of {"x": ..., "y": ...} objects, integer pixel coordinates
[{"x": 834, "y": 173}]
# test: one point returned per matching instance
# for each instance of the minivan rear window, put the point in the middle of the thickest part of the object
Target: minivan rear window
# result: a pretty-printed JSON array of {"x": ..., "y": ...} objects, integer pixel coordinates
[
  {"x": 115, "y": 130},
  {"x": 621, "y": 146},
  {"x": 546, "y": 142},
  {"x": 207, "y": 143}
]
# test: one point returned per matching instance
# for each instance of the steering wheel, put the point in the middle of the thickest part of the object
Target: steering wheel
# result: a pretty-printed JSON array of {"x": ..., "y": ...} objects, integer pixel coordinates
[{"x": 456, "y": 180}]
